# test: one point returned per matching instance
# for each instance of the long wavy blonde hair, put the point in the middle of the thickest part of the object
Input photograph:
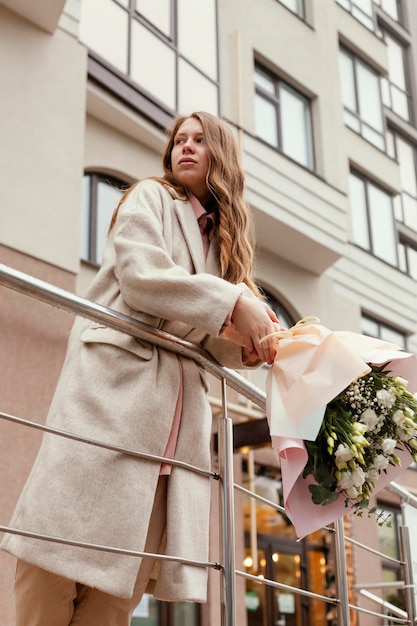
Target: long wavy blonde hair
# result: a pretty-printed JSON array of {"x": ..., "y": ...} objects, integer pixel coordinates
[{"x": 226, "y": 182}]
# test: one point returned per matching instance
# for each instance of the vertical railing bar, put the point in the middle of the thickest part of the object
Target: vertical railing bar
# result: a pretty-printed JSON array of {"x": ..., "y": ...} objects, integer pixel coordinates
[
  {"x": 405, "y": 552},
  {"x": 227, "y": 524},
  {"x": 343, "y": 617}
]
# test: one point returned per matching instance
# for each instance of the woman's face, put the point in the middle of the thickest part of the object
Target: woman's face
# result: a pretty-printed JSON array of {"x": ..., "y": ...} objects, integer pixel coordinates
[{"x": 190, "y": 158}]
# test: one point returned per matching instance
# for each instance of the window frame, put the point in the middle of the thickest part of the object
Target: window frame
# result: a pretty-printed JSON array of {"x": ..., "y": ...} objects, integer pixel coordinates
[
  {"x": 380, "y": 327},
  {"x": 385, "y": 32},
  {"x": 275, "y": 100},
  {"x": 357, "y": 60},
  {"x": 355, "y": 8},
  {"x": 371, "y": 235},
  {"x": 126, "y": 89},
  {"x": 95, "y": 178}
]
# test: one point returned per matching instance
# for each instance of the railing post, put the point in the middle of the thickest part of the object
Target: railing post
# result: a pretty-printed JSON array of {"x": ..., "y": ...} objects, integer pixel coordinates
[
  {"x": 405, "y": 554},
  {"x": 227, "y": 523},
  {"x": 342, "y": 589}
]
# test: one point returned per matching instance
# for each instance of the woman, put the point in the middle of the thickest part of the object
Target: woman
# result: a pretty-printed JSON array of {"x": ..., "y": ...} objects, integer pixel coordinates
[{"x": 159, "y": 268}]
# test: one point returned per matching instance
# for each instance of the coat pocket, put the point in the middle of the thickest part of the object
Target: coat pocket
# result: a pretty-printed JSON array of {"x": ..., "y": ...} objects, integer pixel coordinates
[{"x": 98, "y": 333}]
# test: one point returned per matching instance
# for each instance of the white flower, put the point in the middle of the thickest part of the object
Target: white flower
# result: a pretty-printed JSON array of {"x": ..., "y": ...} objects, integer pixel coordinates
[
  {"x": 352, "y": 493},
  {"x": 388, "y": 445},
  {"x": 343, "y": 453},
  {"x": 385, "y": 398},
  {"x": 380, "y": 462},
  {"x": 398, "y": 417},
  {"x": 372, "y": 475},
  {"x": 400, "y": 381},
  {"x": 346, "y": 480},
  {"x": 370, "y": 418}
]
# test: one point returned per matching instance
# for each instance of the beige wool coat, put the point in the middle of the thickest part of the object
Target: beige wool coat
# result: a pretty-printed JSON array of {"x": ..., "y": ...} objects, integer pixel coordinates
[{"x": 116, "y": 389}]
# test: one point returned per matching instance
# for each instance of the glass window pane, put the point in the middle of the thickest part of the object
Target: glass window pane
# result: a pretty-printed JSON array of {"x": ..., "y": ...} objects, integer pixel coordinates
[
  {"x": 390, "y": 334},
  {"x": 266, "y": 121},
  {"x": 412, "y": 262},
  {"x": 410, "y": 211},
  {"x": 352, "y": 121},
  {"x": 146, "y": 613},
  {"x": 396, "y": 69},
  {"x": 369, "y": 97},
  {"x": 296, "y": 6},
  {"x": 369, "y": 327},
  {"x": 104, "y": 29},
  {"x": 398, "y": 208},
  {"x": 373, "y": 136},
  {"x": 107, "y": 200},
  {"x": 264, "y": 81},
  {"x": 406, "y": 158},
  {"x": 382, "y": 225},
  {"x": 295, "y": 126},
  {"x": 347, "y": 81},
  {"x": 402, "y": 257},
  {"x": 363, "y": 19},
  {"x": 85, "y": 219},
  {"x": 158, "y": 13},
  {"x": 400, "y": 103},
  {"x": 148, "y": 53},
  {"x": 197, "y": 34},
  {"x": 357, "y": 201},
  {"x": 390, "y": 7},
  {"x": 196, "y": 93}
]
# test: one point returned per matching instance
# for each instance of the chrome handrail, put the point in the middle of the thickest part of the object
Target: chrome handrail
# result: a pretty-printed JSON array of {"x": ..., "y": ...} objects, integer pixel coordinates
[{"x": 45, "y": 292}]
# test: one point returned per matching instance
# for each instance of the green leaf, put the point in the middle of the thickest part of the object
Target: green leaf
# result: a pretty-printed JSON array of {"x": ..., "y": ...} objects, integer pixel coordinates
[{"x": 321, "y": 495}]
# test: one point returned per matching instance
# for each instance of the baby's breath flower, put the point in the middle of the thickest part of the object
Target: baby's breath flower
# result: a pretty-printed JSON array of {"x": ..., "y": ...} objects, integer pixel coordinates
[{"x": 361, "y": 430}]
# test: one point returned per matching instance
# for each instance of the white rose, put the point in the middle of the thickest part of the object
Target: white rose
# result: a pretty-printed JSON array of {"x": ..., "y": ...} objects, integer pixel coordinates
[
  {"x": 380, "y": 462},
  {"x": 343, "y": 453},
  {"x": 388, "y": 445},
  {"x": 369, "y": 418},
  {"x": 398, "y": 417}
]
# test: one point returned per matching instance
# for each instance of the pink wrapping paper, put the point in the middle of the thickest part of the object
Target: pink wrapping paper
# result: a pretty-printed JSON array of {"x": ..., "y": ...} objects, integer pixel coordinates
[{"x": 312, "y": 367}]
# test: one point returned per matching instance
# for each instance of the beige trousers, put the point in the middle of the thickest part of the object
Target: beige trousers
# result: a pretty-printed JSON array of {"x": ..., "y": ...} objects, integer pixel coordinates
[{"x": 46, "y": 599}]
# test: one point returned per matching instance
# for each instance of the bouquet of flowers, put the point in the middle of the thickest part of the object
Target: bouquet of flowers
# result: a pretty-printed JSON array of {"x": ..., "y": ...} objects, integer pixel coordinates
[
  {"x": 362, "y": 429},
  {"x": 342, "y": 418}
]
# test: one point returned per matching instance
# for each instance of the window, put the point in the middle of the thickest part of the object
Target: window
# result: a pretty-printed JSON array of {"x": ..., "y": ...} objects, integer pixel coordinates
[
  {"x": 296, "y": 6},
  {"x": 151, "y": 612},
  {"x": 129, "y": 42},
  {"x": 405, "y": 204},
  {"x": 395, "y": 88},
  {"x": 407, "y": 253},
  {"x": 101, "y": 195},
  {"x": 392, "y": 8},
  {"x": 379, "y": 330},
  {"x": 362, "y": 10},
  {"x": 372, "y": 219},
  {"x": 361, "y": 97},
  {"x": 389, "y": 545},
  {"x": 283, "y": 117},
  {"x": 280, "y": 557}
]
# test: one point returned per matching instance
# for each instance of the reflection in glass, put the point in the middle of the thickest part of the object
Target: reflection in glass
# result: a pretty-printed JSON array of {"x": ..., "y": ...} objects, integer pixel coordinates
[
  {"x": 382, "y": 225},
  {"x": 296, "y": 6}
]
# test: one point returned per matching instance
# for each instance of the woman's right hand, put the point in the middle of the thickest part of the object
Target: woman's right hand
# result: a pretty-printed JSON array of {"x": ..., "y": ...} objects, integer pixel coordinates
[{"x": 253, "y": 320}]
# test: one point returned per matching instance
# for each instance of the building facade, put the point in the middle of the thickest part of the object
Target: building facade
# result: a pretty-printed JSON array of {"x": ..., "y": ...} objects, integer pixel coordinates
[{"x": 322, "y": 97}]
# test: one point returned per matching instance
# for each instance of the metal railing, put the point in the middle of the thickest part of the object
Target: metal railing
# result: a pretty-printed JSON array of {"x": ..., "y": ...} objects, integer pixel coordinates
[{"x": 50, "y": 294}]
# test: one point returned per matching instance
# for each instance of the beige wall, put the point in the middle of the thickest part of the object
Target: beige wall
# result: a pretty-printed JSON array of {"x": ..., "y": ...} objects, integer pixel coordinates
[{"x": 42, "y": 125}]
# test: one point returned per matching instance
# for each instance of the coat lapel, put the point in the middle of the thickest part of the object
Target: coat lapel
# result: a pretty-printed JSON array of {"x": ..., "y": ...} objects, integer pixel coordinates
[{"x": 191, "y": 231}]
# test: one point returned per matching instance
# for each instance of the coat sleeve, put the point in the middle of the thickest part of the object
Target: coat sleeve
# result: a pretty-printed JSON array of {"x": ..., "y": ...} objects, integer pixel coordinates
[
  {"x": 227, "y": 353},
  {"x": 149, "y": 279}
]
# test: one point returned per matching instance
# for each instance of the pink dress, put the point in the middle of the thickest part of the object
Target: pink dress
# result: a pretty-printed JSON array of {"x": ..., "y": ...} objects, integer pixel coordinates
[{"x": 206, "y": 223}]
